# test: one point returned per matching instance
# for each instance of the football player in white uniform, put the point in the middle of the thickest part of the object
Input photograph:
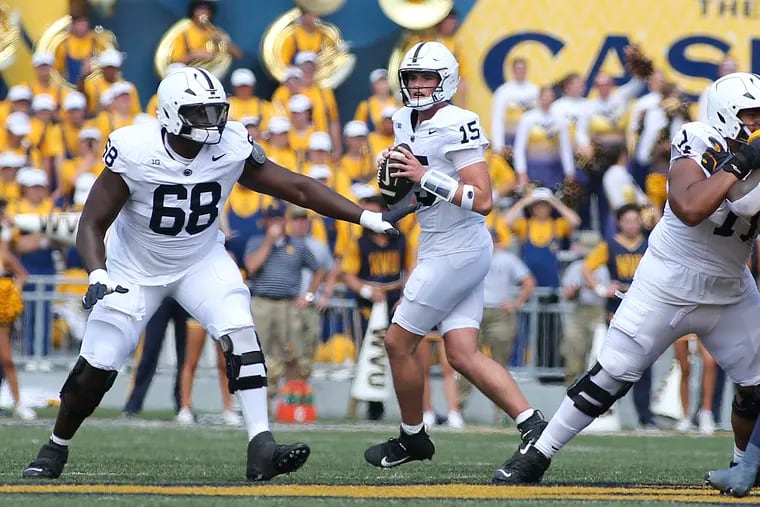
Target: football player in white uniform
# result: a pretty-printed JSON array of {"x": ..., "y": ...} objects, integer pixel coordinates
[
  {"x": 445, "y": 289},
  {"x": 163, "y": 189},
  {"x": 692, "y": 279}
]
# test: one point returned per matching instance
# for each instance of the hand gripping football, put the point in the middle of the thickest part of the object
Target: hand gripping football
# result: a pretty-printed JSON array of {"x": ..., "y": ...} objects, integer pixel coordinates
[{"x": 393, "y": 189}]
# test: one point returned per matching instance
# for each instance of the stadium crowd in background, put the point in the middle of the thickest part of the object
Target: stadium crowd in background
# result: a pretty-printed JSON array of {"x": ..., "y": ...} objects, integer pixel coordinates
[{"x": 553, "y": 178}]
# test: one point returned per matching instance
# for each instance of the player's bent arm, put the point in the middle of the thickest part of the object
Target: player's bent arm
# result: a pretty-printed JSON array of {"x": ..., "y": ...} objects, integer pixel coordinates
[
  {"x": 108, "y": 195},
  {"x": 273, "y": 179},
  {"x": 692, "y": 196},
  {"x": 475, "y": 178}
]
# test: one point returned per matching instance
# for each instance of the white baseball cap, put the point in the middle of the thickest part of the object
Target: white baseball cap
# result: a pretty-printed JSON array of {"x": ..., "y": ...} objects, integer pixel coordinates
[
  {"x": 82, "y": 186},
  {"x": 278, "y": 125},
  {"x": 542, "y": 194},
  {"x": 388, "y": 111},
  {"x": 111, "y": 58},
  {"x": 43, "y": 102},
  {"x": 74, "y": 100},
  {"x": 378, "y": 74},
  {"x": 292, "y": 73},
  {"x": 42, "y": 58},
  {"x": 31, "y": 177},
  {"x": 299, "y": 103},
  {"x": 319, "y": 172},
  {"x": 364, "y": 191},
  {"x": 355, "y": 128},
  {"x": 90, "y": 133},
  {"x": 19, "y": 92},
  {"x": 18, "y": 123},
  {"x": 120, "y": 88},
  {"x": 305, "y": 56},
  {"x": 243, "y": 77},
  {"x": 320, "y": 141},
  {"x": 11, "y": 159},
  {"x": 250, "y": 120}
]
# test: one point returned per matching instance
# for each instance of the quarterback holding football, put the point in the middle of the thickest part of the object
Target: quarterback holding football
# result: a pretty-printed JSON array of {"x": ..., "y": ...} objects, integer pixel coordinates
[{"x": 438, "y": 161}]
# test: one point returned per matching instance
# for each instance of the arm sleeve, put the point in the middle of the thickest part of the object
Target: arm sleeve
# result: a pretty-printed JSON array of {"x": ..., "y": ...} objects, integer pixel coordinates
[
  {"x": 362, "y": 112},
  {"x": 597, "y": 257},
  {"x": 627, "y": 92},
  {"x": 693, "y": 140},
  {"x": 520, "y": 270},
  {"x": 309, "y": 260},
  {"x": 566, "y": 149},
  {"x": 749, "y": 205},
  {"x": 465, "y": 158},
  {"x": 582, "y": 128},
  {"x": 654, "y": 120}
]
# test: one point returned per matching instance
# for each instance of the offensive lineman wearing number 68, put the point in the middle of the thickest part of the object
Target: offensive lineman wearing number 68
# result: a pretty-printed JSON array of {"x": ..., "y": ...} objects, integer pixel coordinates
[
  {"x": 163, "y": 189},
  {"x": 447, "y": 174},
  {"x": 693, "y": 278}
]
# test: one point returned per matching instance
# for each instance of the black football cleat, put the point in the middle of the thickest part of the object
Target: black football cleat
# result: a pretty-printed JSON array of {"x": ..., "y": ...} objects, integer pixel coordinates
[
  {"x": 526, "y": 466},
  {"x": 531, "y": 428},
  {"x": 397, "y": 451},
  {"x": 268, "y": 459},
  {"x": 49, "y": 462}
]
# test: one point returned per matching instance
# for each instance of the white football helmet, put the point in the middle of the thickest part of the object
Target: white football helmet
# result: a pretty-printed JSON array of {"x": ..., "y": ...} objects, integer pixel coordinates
[
  {"x": 726, "y": 97},
  {"x": 192, "y": 103},
  {"x": 429, "y": 57}
]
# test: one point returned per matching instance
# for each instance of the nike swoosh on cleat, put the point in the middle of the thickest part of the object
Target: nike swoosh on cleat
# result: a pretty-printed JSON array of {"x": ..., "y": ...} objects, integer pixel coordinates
[
  {"x": 524, "y": 450},
  {"x": 385, "y": 463},
  {"x": 505, "y": 474},
  {"x": 527, "y": 433},
  {"x": 30, "y": 469}
]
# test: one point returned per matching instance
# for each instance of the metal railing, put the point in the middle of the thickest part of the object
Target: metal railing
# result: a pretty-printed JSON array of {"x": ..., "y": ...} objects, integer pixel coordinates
[{"x": 537, "y": 346}]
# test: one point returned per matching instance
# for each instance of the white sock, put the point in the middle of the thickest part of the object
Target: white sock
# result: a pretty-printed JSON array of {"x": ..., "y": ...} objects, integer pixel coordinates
[
  {"x": 738, "y": 455},
  {"x": 255, "y": 408},
  {"x": 564, "y": 425},
  {"x": 65, "y": 443},
  {"x": 412, "y": 429},
  {"x": 524, "y": 416}
]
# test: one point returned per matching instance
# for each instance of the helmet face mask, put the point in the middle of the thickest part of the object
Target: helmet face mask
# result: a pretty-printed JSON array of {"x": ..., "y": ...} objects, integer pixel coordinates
[
  {"x": 727, "y": 98},
  {"x": 429, "y": 57},
  {"x": 193, "y": 104}
]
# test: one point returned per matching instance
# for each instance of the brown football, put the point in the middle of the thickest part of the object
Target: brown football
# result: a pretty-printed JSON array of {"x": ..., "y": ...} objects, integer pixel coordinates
[{"x": 393, "y": 189}]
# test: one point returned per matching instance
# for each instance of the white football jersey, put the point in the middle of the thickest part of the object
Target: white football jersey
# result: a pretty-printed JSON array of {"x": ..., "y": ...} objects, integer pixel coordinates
[
  {"x": 445, "y": 227},
  {"x": 171, "y": 220},
  {"x": 716, "y": 251}
]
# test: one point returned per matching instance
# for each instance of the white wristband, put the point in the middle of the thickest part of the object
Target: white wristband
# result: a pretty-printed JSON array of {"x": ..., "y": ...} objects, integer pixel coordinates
[
  {"x": 439, "y": 184},
  {"x": 601, "y": 290},
  {"x": 468, "y": 197},
  {"x": 366, "y": 291}
]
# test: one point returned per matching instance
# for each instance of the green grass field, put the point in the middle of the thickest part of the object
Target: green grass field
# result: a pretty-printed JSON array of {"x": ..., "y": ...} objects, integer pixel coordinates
[{"x": 156, "y": 463}]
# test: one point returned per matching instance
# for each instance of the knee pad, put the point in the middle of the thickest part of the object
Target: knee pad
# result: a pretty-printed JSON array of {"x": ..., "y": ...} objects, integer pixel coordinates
[
  {"x": 245, "y": 361},
  {"x": 84, "y": 388},
  {"x": 594, "y": 399},
  {"x": 746, "y": 402}
]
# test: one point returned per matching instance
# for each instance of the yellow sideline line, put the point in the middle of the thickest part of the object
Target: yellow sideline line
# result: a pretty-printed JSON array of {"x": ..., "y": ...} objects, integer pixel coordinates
[{"x": 459, "y": 491}]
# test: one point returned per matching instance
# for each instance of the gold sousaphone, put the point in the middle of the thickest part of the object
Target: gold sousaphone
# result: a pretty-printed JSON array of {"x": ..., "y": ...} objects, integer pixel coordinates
[
  {"x": 417, "y": 17},
  {"x": 10, "y": 33},
  {"x": 55, "y": 35},
  {"x": 334, "y": 62},
  {"x": 218, "y": 65}
]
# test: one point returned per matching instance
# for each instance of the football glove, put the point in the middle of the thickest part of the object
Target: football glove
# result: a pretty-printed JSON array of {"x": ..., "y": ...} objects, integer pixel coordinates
[
  {"x": 744, "y": 160},
  {"x": 100, "y": 286},
  {"x": 383, "y": 222}
]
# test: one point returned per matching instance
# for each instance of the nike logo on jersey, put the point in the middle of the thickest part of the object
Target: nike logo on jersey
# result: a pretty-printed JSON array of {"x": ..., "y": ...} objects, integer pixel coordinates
[
  {"x": 214, "y": 159},
  {"x": 387, "y": 464},
  {"x": 432, "y": 131}
]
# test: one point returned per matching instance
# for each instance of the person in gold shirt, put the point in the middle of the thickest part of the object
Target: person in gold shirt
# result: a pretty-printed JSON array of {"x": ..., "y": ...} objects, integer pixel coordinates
[
  {"x": 320, "y": 153},
  {"x": 19, "y": 99},
  {"x": 73, "y": 120},
  {"x": 10, "y": 163},
  {"x": 88, "y": 161},
  {"x": 357, "y": 163},
  {"x": 243, "y": 102},
  {"x": 74, "y": 54},
  {"x": 278, "y": 148},
  {"x": 118, "y": 112},
  {"x": 110, "y": 63},
  {"x": 292, "y": 84},
  {"x": 15, "y": 139},
  {"x": 324, "y": 112},
  {"x": 46, "y": 135},
  {"x": 195, "y": 44},
  {"x": 43, "y": 82},
  {"x": 370, "y": 111},
  {"x": 301, "y": 127},
  {"x": 306, "y": 36},
  {"x": 383, "y": 137}
]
